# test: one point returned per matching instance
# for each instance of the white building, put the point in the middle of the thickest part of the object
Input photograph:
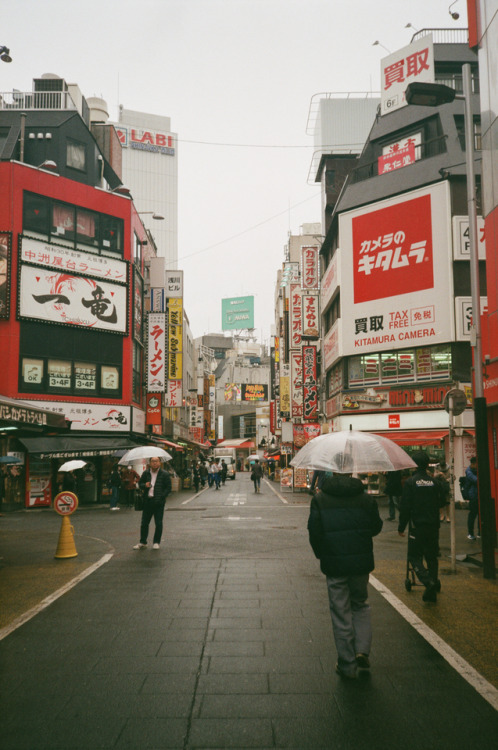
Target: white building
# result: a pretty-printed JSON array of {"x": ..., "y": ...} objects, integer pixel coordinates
[{"x": 150, "y": 171}]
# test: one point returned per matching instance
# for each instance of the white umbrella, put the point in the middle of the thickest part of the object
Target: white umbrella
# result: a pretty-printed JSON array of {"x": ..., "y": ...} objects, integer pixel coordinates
[
  {"x": 144, "y": 451},
  {"x": 72, "y": 465},
  {"x": 253, "y": 457},
  {"x": 349, "y": 451}
]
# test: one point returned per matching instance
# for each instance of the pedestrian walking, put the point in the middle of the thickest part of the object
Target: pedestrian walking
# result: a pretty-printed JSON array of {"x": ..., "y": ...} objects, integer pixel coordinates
[
  {"x": 442, "y": 472},
  {"x": 473, "y": 494},
  {"x": 129, "y": 479},
  {"x": 115, "y": 485},
  {"x": 394, "y": 490},
  {"x": 423, "y": 497},
  {"x": 256, "y": 474},
  {"x": 342, "y": 522},
  {"x": 155, "y": 483},
  {"x": 196, "y": 476},
  {"x": 203, "y": 473},
  {"x": 211, "y": 471},
  {"x": 215, "y": 472},
  {"x": 223, "y": 471}
]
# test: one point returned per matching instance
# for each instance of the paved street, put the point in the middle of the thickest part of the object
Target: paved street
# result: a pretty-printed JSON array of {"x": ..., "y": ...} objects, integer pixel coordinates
[{"x": 222, "y": 638}]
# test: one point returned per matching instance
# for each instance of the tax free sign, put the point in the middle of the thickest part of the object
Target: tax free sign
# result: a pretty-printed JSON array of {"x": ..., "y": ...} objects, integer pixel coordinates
[{"x": 397, "y": 271}]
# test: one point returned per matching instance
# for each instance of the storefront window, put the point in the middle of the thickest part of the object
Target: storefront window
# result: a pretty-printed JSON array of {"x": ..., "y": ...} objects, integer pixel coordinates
[
  {"x": 425, "y": 364},
  {"x": 59, "y": 374},
  {"x": 36, "y": 214}
]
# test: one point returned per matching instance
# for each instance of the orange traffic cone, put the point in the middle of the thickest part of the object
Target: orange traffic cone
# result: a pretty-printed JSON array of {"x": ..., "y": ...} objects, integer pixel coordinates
[{"x": 66, "y": 546}]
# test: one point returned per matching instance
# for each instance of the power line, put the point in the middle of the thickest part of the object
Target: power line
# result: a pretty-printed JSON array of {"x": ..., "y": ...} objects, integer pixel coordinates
[
  {"x": 249, "y": 229},
  {"x": 263, "y": 145}
]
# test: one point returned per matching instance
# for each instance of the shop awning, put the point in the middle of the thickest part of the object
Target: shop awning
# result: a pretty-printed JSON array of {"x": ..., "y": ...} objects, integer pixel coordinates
[
  {"x": 415, "y": 437},
  {"x": 169, "y": 444},
  {"x": 236, "y": 443},
  {"x": 72, "y": 446}
]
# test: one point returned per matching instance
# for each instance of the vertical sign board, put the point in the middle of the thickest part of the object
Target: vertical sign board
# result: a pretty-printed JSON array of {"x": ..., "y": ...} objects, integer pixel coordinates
[
  {"x": 175, "y": 338},
  {"x": 409, "y": 64},
  {"x": 296, "y": 365},
  {"x": 311, "y": 316},
  {"x": 310, "y": 273},
  {"x": 310, "y": 385},
  {"x": 156, "y": 352},
  {"x": 295, "y": 317},
  {"x": 174, "y": 284},
  {"x": 285, "y": 396},
  {"x": 396, "y": 259}
]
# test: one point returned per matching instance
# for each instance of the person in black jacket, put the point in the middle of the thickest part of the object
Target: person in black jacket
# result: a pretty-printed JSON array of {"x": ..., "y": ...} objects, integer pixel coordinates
[
  {"x": 342, "y": 521},
  {"x": 423, "y": 496},
  {"x": 155, "y": 484},
  {"x": 394, "y": 490}
]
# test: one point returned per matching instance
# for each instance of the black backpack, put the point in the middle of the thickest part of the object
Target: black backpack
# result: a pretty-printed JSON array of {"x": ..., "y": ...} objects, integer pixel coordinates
[{"x": 464, "y": 487}]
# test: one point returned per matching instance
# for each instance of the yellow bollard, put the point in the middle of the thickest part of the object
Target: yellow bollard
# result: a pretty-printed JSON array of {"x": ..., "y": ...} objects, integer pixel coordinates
[{"x": 66, "y": 546}]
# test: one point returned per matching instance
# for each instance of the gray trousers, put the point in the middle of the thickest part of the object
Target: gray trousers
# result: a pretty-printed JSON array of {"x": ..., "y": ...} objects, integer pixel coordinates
[{"x": 351, "y": 621}]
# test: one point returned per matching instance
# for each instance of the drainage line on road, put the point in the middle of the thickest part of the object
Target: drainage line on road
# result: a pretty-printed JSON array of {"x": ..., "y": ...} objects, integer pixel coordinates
[{"x": 199, "y": 671}]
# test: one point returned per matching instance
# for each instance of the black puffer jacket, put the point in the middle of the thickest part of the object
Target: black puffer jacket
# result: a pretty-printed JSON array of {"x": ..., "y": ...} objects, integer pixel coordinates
[
  {"x": 343, "y": 519},
  {"x": 423, "y": 496}
]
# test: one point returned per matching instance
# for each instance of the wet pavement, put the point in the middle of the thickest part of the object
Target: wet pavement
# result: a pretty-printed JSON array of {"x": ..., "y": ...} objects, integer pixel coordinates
[{"x": 222, "y": 638}]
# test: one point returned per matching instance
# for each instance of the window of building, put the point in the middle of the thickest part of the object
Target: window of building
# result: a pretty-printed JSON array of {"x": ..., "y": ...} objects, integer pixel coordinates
[
  {"x": 408, "y": 365},
  {"x": 75, "y": 155},
  {"x": 63, "y": 220},
  {"x": 112, "y": 234},
  {"x": 59, "y": 374},
  {"x": 85, "y": 377},
  {"x": 36, "y": 214},
  {"x": 460, "y": 126},
  {"x": 62, "y": 376},
  {"x": 137, "y": 251},
  {"x": 109, "y": 378},
  {"x": 54, "y": 220},
  {"x": 87, "y": 227},
  {"x": 32, "y": 373},
  {"x": 137, "y": 373}
]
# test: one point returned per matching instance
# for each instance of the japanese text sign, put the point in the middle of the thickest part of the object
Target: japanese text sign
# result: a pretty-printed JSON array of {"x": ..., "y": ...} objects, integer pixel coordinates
[
  {"x": 409, "y": 64},
  {"x": 396, "y": 259},
  {"x": 310, "y": 273},
  {"x": 311, "y": 316},
  {"x": 310, "y": 385},
  {"x": 156, "y": 352},
  {"x": 295, "y": 317}
]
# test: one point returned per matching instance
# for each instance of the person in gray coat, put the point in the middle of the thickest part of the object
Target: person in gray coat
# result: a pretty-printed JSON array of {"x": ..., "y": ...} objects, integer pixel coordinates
[{"x": 342, "y": 522}]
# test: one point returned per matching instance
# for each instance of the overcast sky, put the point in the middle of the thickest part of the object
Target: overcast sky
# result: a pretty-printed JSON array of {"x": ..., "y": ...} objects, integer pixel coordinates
[{"x": 236, "y": 73}]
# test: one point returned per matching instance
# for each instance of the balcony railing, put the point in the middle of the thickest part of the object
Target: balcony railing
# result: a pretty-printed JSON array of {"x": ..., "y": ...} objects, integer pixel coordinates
[
  {"x": 36, "y": 100},
  {"x": 423, "y": 151}
]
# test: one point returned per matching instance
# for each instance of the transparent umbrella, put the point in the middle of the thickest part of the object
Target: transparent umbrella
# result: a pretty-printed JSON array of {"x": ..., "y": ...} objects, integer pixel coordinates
[
  {"x": 72, "y": 465},
  {"x": 144, "y": 451},
  {"x": 349, "y": 451}
]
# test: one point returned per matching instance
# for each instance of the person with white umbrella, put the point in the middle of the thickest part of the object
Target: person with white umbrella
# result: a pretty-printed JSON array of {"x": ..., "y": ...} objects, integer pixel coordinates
[
  {"x": 155, "y": 483},
  {"x": 342, "y": 522}
]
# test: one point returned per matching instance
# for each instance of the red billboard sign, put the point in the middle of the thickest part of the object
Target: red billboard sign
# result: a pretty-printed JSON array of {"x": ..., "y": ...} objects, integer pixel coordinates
[{"x": 392, "y": 249}]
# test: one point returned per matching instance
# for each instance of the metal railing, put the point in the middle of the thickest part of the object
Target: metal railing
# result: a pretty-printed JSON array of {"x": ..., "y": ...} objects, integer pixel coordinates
[
  {"x": 423, "y": 151},
  {"x": 36, "y": 100}
]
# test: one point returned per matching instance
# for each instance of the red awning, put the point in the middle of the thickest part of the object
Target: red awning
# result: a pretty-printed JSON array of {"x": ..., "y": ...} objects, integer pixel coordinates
[
  {"x": 243, "y": 444},
  {"x": 170, "y": 444},
  {"x": 415, "y": 437}
]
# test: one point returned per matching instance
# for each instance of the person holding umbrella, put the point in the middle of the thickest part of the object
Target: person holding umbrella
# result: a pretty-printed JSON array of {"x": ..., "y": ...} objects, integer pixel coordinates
[
  {"x": 342, "y": 522},
  {"x": 155, "y": 484}
]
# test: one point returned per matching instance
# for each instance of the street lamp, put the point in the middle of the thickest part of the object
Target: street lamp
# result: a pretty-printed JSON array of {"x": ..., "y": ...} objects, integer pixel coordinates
[
  {"x": 5, "y": 54},
  {"x": 433, "y": 95},
  {"x": 156, "y": 217}
]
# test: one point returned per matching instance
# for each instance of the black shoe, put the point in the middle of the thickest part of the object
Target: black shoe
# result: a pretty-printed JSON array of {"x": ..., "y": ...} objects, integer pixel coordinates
[
  {"x": 430, "y": 594},
  {"x": 362, "y": 661}
]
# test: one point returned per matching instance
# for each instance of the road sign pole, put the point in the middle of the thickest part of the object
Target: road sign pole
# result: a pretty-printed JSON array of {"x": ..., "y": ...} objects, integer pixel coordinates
[{"x": 452, "y": 492}]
